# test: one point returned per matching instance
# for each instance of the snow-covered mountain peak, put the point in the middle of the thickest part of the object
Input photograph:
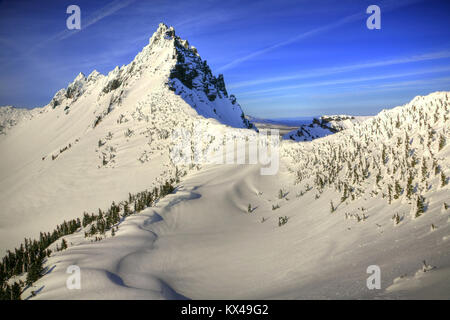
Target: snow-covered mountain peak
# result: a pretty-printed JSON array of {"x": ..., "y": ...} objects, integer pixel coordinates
[
  {"x": 80, "y": 77},
  {"x": 165, "y": 36},
  {"x": 163, "y": 32},
  {"x": 94, "y": 75},
  {"x": 167, "y": 62}
]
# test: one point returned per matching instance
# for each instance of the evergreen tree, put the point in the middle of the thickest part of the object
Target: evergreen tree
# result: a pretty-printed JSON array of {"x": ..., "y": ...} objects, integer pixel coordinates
[
  {"x": 441, "y": 142},
  {"x": 16, "y": 291},
  {"x": 379, "y": 176},
  {"x": 282, "y": 221},
  {"x": 398, "y": 190},
  {"x": 396, "y": 218},
  {"x": 409, "y": 186},
  {"x": 424, "y": 170},
  {"x": 436, "y": 167},
  {"x": 389, "y": 193},
  {"x": 443, "y": 179},
  {"x": 34, "y": 272},
  {"x": 420, "y": 207}
]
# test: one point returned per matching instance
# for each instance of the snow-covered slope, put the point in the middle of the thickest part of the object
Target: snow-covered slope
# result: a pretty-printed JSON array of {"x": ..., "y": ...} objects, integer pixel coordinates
[
  {"x": 324, "y": 126},
  {"x": 10, "y": 117},
  {"x": 375, "y": 194},
  {"x": 107, "y": 135}
]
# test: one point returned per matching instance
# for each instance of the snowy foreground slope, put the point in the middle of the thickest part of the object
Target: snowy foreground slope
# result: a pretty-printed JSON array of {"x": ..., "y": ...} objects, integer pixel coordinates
[
  {"x": 105, "y": 136},
  {"x": 375, "y": 194},
  {"x": 324, "y": 126}
]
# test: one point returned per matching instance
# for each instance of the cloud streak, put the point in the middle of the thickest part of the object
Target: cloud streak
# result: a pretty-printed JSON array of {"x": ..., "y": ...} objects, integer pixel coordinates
[
  {"x": 387, "y": 6},
  {"x": 346, "y": 81},
  {"x": 299, "y": 37},
  {"x": 362, "y": 90},
  {"x": 335, "y": 70},
  {"x": 100, "y": 14}
]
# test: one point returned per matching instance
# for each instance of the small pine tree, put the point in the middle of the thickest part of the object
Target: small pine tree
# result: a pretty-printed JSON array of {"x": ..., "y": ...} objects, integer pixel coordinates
[
  {"x": 249, "y": 209},
  {"x": 389, "y": 193},
  {"x": 332, "y": 208},
  {"x": 34, "y": 272},
  {"x": 409, "y": 186},
  {"x": 63, "y": 244},
  {"x": 398, "y": 190},
  {"x": 16, "y": 291},
  {"x": 396, "y": 218},
  {"x": 441, "y": 142},
  {"x": 443, "y": 179},
  {"x": 282, "y": 221},
  {"x": 437, "y": 168},
  {"x": 379, "y": 177},
  {"x": 345, "y": 195},
  {"x": 420, "y": 208},
  {"x": 424, "y": 170},
  {"x": 280, "y": 194}
]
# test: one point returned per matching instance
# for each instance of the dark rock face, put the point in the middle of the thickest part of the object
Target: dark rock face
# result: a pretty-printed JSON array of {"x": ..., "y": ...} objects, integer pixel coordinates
[
  {"x": 194, "y": 72},
  {"x": 323, "y": 123},
  {"x": 112, "y": 85},
  {"x": 184, "y": 74}
]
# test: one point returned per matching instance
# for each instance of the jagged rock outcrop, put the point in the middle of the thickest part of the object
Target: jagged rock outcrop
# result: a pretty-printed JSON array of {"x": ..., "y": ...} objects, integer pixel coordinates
[
  {"x": 324, "y": 126},
  {"x": 175, "y": 62}
]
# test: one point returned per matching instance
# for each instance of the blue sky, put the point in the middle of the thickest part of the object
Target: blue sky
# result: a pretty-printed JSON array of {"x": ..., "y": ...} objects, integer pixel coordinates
[{"x": 280, "y": 58}]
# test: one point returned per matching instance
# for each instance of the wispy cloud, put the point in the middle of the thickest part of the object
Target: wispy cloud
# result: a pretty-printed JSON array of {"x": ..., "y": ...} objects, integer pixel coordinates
[
  {"x": 340, "y": 69},
  {"x": 301, "y": 36},
  {"x": 345, "y": 81},
  {"x": 362, "y": 90},
  {"x": 100, "y": 14},
  {"x": 387, "y": 6}
]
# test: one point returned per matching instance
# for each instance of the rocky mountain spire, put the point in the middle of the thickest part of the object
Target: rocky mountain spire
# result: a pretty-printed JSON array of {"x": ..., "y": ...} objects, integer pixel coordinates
[{"x": 173, "y": 59}]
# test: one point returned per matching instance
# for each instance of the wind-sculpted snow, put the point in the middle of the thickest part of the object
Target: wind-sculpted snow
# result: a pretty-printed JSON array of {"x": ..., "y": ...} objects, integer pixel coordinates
[{"x": 203, "y": 243}]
